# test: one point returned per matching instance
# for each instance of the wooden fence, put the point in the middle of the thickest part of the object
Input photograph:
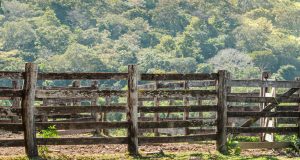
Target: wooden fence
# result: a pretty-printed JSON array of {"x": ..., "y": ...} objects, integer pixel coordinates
[{"x": 199, "y": 93}]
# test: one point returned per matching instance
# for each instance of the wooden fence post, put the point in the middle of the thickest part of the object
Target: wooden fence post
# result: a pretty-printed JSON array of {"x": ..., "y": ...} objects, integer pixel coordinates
[
  {"x": 222, "y": 111},
  {"x": 28, "y": 99},
  {"x": 156, "y": 104},
  {"x": 298, "y": 79},
  {"x": 186, "y": 105},
  {"x": 132, "y": 115},
  {"x": 16, "y": 100}
]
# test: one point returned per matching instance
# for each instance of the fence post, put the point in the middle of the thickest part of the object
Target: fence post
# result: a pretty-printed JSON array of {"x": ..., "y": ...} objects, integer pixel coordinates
[
  {"x": 298, "y": 79},
  {"x": 30, "y": 80},
  {"x": 16, "y": 100},
  {"x": 222, "y": 111},
  {"x": 132, "y": 115}
]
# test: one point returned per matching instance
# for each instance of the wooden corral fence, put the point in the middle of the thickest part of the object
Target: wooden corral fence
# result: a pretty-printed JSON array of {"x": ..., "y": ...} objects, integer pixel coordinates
[{"x": 205, "y": 102}]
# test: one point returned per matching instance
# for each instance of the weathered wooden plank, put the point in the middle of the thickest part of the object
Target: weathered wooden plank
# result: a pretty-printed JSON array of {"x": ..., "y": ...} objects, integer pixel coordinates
[
  {"x": 287, "y": 121},
  {"x": 176, "y": 139},
  {"x": 66, "y": 141},
  {"x": 260, "y": 83},
  {"x": 177, "y": 124},
  {"x": 78, "y": 93},
  {"x": 180, "y": 93},
  {"x": 263, "y": 114},
  {"x": 132, "y": 115},
  {"x": 12, "y": 142},
  {"x": 78, "y": 109},
  {"x": 11, "y": 93},
  {"x": 267, "y": 145},
  {"x": 82, "y": 141},
  {"x": 262, "y": 129},
  {"x": 11, "y": 126},
  {"x": 243, "y": 108},
  {"x": 176, "y": 97},
  {"x": 85, "y": 76},
  {"x": 261, "y": 99},
  {"x": 202, "y": 131},
  {"x": 170, "y": 76},
  {"x": 30, "y": 80},
  {"x": 11, "y": 75},
  {"x": 204, "y": 108},
  {"x": 82, "y": 125},
  {"x": 178, "y": 84},
  {"x": 222, "y": 111}
]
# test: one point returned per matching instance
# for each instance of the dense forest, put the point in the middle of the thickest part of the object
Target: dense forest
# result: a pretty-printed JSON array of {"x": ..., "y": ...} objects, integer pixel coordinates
[{"x": 162, "y": 36}]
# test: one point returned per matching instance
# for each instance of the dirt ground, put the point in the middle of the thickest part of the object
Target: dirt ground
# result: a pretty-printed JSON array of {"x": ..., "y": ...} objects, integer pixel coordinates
[{"x": 203, "y": 147}]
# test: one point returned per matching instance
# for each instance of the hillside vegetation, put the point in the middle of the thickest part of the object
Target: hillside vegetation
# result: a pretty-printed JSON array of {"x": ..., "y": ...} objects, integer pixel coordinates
[{"x": 243, "y": 36}]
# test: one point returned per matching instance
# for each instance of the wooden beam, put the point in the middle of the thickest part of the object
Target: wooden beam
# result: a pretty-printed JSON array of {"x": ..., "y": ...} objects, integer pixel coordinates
[
  {"x": 11, "y": 75},
  {"x": 74, "y": 94},
  {"x": 82, "y": 125},
  {"x": 30, "y": 80},
  {"x": 222, "y": 111},
  {"x": 132, "y": 115},
  {"x": 170, "y": 76},
  {"x": 85, "y": 76},
  {"x": 204, "y": 108},
  {"x": 177, "y": 124},
  {"x": 284, "y": 130},
  {"x": 263, "y": 114},
  {"x": 260, "y": 83},
  {"x": 177, "y": 139}
]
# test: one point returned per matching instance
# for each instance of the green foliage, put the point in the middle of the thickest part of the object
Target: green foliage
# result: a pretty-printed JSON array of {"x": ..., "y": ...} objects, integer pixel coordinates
[
  {"x": 160, "y": 36},
  {"x": 233, "y": 147},
  {"x": 50, "y": 132}
]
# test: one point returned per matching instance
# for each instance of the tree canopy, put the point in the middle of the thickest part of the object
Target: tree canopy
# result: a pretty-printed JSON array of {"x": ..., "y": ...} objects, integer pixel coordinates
[{"x": 244, "y": 36}]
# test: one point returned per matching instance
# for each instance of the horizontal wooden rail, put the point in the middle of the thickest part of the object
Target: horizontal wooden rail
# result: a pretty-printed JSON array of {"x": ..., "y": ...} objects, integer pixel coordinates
[
  {"x": 263, "y": 114},
  {"x": 260, "y": 83},
  {"x": 260, "y": 99},
  {"x": 195, "y": 76},
  {"x": 174, "y": 97},
  {"x": 11, "y": 75},
  {"x": 176, "y": 139},
  {"x": 63, "y": 110},
  {"x": 67, "y": 141},
  {"x": 176, "y": 124},
  {"x": 82, "y": 125},
  {"x": 262, "y": 129},
  {"x": 78, "y": 93},
  {"x": 11, "y": 93},
  {"x": 85, "y": 75},
  {"x": 79, "y": 109},
  {"x": 168, "y": 93},
  {"x": 206, "y": 108}
]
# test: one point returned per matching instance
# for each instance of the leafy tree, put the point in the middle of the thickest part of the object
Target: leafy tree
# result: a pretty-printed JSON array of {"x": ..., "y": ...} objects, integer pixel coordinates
[
  {"x": 77, "y": 58},
  {"x": 287, "y": 72},
  {"x": 236, "y": 62},
  {"x": 265, "y": 60},
  {"x": 166, "y": 16},
  {"x": 18, "y": 35}
]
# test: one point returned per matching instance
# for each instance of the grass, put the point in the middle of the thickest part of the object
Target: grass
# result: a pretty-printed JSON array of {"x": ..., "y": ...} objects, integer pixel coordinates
[{"x": 160, "y": 156}]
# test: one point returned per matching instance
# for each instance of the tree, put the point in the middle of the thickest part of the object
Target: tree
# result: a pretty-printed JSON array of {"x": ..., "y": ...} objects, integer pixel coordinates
[
  {"x": 18, "y": 35},
  {"x": 77, "y": 58},
  {"x": 265, "y": 60},
  {"x": 287, "y": 72},
  {"x": 252, "y": 35},
  {"x": 236, "y": 62}
]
